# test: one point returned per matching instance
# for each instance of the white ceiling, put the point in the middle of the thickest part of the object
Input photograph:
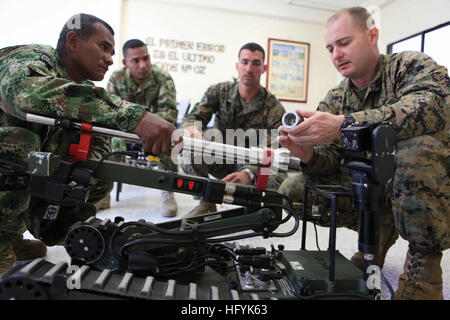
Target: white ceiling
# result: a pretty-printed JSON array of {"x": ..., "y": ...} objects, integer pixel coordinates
[
  {"x": 317, "y": 11},
  {"x": 326, "y": 5}
]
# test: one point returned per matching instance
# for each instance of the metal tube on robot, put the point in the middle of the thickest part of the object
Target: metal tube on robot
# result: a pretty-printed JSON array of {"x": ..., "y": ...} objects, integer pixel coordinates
[{"x": 281, "y": 157}]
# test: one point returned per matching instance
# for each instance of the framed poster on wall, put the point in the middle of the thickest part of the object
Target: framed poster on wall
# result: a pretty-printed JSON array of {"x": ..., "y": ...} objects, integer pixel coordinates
[{"x": 287, "y": 71}]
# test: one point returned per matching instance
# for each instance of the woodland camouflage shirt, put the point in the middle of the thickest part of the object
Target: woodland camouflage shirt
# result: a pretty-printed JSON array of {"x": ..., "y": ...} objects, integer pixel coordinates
[{"x": 223, "y": 100}]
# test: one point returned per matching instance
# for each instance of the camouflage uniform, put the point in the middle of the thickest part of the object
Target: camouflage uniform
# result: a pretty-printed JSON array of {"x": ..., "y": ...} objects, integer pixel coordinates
[
  {"x": 412, "y": 91},
  {"x": 157, "y": 92},
  {"x": 223, "y": 100},
  {"x": 34, "y": 80}
]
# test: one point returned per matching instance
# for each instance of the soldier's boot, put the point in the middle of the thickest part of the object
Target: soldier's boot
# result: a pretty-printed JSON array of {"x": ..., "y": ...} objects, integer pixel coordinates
[
  {"x": 25, "y": 249},
  {"x": 7, "y": 258},
  {"x": 422, "y": 277},
  {"x": 203, "y": 208},
  {"x": 389, "y": 235},
  {"x": 105, "y": 203},
  {"x": 168, "y": 204}
]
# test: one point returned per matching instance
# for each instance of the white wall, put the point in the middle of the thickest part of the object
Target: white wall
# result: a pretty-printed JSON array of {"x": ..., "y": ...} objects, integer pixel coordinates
[
  {"x": 27, "y": 21},
  {"x": 403, "y": 18},
  {"x": 231, "y": 28}
]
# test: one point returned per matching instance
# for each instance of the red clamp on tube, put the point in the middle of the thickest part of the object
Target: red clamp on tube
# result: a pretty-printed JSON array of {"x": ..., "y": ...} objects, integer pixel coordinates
[
  {"x": 81, "y": 150},
  {"x": 262, "y": 179}
]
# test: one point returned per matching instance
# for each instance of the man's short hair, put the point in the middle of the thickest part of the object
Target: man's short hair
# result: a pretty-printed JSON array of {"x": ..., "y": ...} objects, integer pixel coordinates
[
  {"x": 83, "y": 25},
  {"x": 361, "y": 18},
  {"x": 252, "y": 47},
  {"x": 131, "y": 44}
]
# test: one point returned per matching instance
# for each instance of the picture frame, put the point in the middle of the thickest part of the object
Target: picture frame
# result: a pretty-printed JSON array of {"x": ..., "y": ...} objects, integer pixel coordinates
[{"x": 287, "y": 70}]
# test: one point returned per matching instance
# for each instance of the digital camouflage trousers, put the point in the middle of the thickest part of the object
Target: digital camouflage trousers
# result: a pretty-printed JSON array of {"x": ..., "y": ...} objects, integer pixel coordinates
[{"x": 418, "y": 197}]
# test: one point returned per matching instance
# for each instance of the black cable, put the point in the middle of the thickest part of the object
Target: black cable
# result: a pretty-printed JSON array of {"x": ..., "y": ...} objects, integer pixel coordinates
[
  {"x": 174, "y": 267},
  {"x": 191, "y": 241},
  {"x": 223, "y": 247},
  {"x": 174, "y": 271},
  {"x": 291, "y": 213},
  {"x": 290, "y": 206},
  {"x": 172, "y": 241},
  {"x": 317, "y": 236},
  {"x": 203, "y": 231},
  {"x": 388, "y": 285},
  {"x": 202, "y": 241},
  {"x": 157, "y": 229},
  {"x": 190, "y": 267},
  {"x": 291, "y": 285}
]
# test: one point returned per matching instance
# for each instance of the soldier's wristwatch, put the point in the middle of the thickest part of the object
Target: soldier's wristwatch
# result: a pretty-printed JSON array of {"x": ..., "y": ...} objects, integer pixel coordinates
[{"x": 348, "y": 120}]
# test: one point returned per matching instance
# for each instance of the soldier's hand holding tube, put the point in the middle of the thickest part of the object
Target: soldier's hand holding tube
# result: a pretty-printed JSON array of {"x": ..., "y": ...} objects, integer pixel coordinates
[
  {"x": 155, "y": 133},
  {"x": 316, "y": 128},
  {"x": 192, "y": 132},
  {"x": 241, "y": 177}
]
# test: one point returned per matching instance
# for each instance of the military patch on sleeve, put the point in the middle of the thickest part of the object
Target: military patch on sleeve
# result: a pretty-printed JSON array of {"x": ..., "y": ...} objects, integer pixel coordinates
[
  {"x": 52, "y": 212},
  {"x": 170, "y": 85},
  {"x": 47, "y": 60}
]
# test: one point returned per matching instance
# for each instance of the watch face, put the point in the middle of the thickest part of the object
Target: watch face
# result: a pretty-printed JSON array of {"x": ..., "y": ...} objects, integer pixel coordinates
[{"x": 348, "y": 120}]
